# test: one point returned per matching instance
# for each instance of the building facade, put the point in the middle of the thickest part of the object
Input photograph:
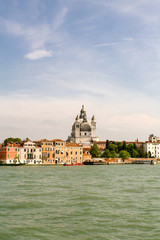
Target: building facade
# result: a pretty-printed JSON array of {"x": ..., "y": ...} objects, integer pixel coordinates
[
  {"x": 10, "y": 154},
  {"x": 83, "y": 131},
  {"x": 152, "y": 146},
  {"x": 59, "y": 152},
  {"x": 25, "y": 153},
  {"x": 30, "y": 153}
]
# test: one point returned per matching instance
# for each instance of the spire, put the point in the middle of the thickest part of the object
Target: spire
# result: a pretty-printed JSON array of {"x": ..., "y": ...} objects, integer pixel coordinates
[
  {"x": 93, "y": 119},
  {"x": 77, "y": 118},
  {"x": 83, "y": 113}
]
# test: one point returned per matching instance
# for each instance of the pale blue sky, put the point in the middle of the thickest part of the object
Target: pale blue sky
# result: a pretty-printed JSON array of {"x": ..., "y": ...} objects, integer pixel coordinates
[{"x": 56, "y": 55}]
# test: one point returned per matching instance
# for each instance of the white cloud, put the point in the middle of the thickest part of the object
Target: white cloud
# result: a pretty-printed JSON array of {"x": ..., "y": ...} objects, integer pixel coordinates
[
  {"x": 59, "y": 20},
  {"x": 37, "y": 35},
  {"x": 38, "y": 54},
  {"x": 106, "y": 44}
]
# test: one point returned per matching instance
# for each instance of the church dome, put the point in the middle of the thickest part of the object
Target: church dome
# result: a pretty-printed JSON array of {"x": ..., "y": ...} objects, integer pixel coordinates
[{"x": 85, "y": 127}]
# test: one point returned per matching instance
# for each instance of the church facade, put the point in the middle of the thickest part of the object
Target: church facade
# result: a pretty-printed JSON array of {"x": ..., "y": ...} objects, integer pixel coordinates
[{"x": 83, "y": 131}]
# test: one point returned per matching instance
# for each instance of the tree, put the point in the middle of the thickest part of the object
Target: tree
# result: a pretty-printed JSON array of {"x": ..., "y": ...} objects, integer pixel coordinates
[
  {"x": 106, "y": 154},
  {"x": 124, "y": 154},
  {"x": 135, "y": 146},
  {"x": 95, "y": 151},
  {"x": 119, "y": 145},
  {"x": 114, "y": 154},
  {"x": 107, "y": 144},
  {"x": 12, "y": 140},
  {"x": 124, "y": 147},
  {"x": 113, "y": 147},
  {"x": 134, "y": 153}
]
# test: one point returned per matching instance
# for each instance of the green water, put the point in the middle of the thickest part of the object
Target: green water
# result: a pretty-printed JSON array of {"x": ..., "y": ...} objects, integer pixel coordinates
[{"x": 80, "y": 203}]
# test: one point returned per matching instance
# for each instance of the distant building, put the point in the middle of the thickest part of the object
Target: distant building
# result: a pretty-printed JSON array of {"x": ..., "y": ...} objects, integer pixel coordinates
[
  {"x": 30, "y": 153},
  {"x": 83, "y": 131},
  {"x": 58, "y": 151},
  {"x": 14, "y": 153},
  {"x": 10, "y": 154},
  {"x": 152, "y": 146}
]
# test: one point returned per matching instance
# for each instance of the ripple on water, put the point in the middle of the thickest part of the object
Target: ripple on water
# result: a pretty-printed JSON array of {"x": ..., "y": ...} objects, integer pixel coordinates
[{"x": 91, "y": 202}]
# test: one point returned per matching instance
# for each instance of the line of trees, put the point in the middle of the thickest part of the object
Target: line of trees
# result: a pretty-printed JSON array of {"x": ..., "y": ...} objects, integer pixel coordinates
[{"x": 119, "y": 149}]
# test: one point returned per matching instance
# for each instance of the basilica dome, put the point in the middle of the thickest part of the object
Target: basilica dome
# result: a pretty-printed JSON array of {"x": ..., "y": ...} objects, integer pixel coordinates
[{"x": 85, "y": 127}]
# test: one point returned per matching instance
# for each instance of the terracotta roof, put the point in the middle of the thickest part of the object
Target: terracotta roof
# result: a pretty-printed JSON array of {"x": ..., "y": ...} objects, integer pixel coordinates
[
  {"x": 86, "y": 148},
  {"x": 100, "y": 142},
  {"x": 43, "y": 140},
  {"x": 13, "y": 145},
  {"x": 57, "y": 140},
  {"x": 73, "y": 145}
]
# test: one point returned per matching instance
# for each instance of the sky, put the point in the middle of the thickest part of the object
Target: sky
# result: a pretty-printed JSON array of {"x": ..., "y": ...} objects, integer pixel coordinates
[{"x": 58, "y": 55}]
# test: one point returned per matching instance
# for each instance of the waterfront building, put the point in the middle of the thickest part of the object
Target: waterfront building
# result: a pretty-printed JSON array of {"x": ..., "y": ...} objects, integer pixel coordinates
[
  {"x": 74, "y": 153},
  {"x": 10, "y": 154},
  {"x": 30, "y": 153},
  {"x": 25, "y": 153},
  {"x": 48, "y": 153},
  {"x": 58, "y": 151},
  {"x": 83, "y": 131},
  {"x": 152, "y": 146}
]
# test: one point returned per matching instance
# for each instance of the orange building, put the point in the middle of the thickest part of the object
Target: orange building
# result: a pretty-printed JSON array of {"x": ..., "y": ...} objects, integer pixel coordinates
[
  {"x": 58, "y": 151},
  {"x": 74, "y": 153},
  {"x": 10, "y": 154}
]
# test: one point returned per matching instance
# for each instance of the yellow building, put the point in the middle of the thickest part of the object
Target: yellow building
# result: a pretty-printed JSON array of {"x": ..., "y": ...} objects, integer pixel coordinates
[{"x": 58, "y": 151}]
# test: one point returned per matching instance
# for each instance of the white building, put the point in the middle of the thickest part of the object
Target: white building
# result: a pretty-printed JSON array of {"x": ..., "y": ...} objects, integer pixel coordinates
[
  {"x": 152, "y": 146},
  {"x": 83, "y": 131},
  {"x": 30, "y": 153}
]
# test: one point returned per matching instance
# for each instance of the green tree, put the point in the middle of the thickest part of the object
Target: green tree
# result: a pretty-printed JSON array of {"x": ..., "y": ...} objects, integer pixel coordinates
[
  {"x": 95, "y": 151},
  {"x": 124, "y": 147},
  {"x": 124, "y": 154},
  {"x": 113, "y": 147},
  {"x": 114, "y": 154},
  {"x": 106, "y": 154},
  {"x": 12, "y": 140},
  {"x": 134, "y": 153},
  {"x": 135, "y": 146},
  {"x": 119, "y": 145},
  {"x": 107, "y": 144}
]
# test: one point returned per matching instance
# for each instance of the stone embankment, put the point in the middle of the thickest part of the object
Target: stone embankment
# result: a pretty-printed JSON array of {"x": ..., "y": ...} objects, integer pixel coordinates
[{"x": 104, "y": 161}]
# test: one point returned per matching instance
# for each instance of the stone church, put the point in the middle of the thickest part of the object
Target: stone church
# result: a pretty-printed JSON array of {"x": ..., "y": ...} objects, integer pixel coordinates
[{"x": 83, "y": 131}]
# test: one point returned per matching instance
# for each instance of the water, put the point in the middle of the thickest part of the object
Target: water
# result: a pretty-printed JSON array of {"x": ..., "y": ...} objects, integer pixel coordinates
[{"x": 80, "y": 203}]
